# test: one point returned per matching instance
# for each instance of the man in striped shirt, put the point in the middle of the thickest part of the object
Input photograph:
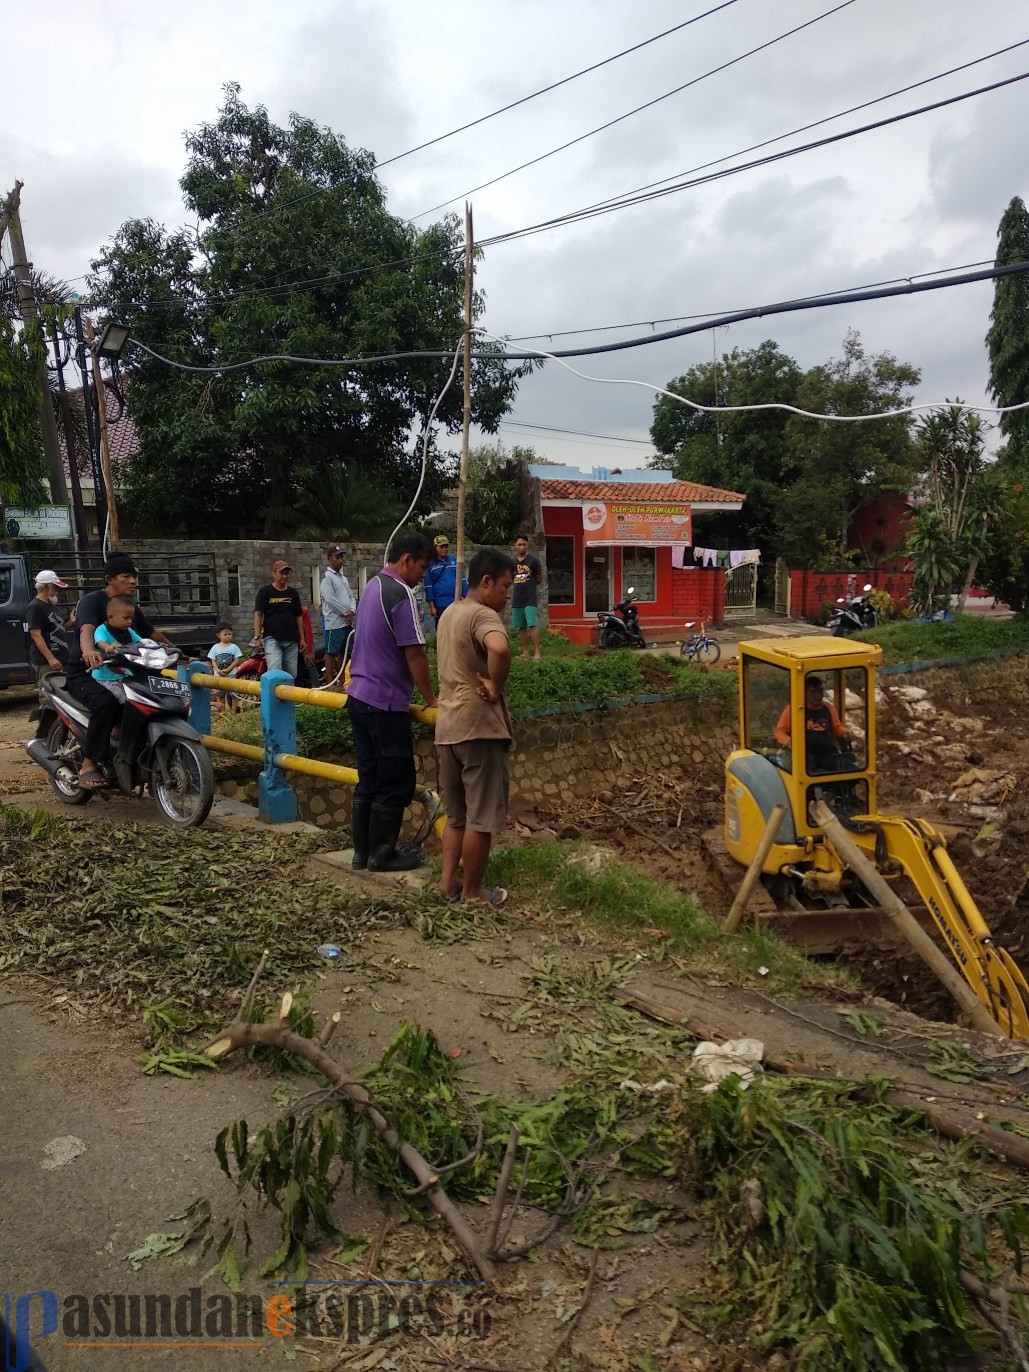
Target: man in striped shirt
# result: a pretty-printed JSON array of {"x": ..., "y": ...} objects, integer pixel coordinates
[{"x": 389, "y": 660}]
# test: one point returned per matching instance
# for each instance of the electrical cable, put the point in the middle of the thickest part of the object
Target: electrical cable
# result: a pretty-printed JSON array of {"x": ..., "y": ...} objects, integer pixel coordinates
[
  {"x": 638, "y": 109},
  {"x": 708, "y": 314},
  {"x": 790, "y": 409},
  {"x": 579, "y": 433},
  {"x": 622, "y": 345},
  {"x": 483, "y": 118},
  {"x": 817, "y": 123},
  {"x": 580, "y": 216}
]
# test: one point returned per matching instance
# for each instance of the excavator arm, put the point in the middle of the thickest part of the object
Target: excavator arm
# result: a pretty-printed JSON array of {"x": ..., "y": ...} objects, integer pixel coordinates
[{"x": 913, "y": 848}]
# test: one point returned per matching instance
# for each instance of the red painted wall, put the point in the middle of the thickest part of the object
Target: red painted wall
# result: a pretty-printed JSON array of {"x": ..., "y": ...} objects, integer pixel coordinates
[
  {"x": 809, "y": 590},
  {"x": 679, "y": 595},
  {"x": 881, "y": 528}
]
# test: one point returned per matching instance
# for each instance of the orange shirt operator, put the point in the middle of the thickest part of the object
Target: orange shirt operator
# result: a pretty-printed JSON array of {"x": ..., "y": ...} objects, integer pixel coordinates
[{"x": 823, "y": 724}]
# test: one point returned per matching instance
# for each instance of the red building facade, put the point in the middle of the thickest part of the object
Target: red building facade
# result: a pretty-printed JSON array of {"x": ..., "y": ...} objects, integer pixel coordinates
[{"x": 603, "y": 536}]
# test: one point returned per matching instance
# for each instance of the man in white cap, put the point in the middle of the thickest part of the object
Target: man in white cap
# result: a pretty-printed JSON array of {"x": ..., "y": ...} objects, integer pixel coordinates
[{"x": 45, "y": 626}]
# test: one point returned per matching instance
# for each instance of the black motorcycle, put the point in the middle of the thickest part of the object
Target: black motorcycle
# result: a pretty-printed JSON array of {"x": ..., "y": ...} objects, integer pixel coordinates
[
  {"x": 621, "y": 628},
  {"x": 848, "y": 618},
  {"x": 168, "y": 759}
]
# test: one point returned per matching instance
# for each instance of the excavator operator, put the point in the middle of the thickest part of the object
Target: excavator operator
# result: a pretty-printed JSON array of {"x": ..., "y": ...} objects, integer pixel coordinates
[{"x": 825, "y": 731}]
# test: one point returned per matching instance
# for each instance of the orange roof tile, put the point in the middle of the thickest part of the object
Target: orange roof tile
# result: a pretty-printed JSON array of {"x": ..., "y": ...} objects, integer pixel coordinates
[{"x": 690, "y": 492}]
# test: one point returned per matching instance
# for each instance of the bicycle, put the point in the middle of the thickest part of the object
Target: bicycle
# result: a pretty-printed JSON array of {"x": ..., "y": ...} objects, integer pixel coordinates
[{"x": 699, "y": 648}]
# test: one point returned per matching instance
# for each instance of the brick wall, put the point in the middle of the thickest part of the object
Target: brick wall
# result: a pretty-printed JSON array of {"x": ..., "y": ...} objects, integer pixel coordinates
[
  {"x": 810, "y": 590},
  {"x": 699, "y": 594}
]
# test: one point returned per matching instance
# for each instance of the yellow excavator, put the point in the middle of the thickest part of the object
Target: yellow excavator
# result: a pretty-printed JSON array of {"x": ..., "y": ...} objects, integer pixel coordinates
[{"x": 822, "y": 692}]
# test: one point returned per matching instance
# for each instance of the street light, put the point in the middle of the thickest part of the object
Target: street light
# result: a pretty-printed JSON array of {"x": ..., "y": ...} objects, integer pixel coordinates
[{"x": 112, "y": 341}]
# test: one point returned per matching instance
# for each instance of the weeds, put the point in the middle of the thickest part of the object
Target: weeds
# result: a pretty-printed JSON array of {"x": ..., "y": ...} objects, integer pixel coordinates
[{"x": 968, "y": 635}]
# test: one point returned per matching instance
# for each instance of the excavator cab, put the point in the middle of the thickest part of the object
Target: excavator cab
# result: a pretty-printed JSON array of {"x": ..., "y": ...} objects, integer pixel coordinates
[{"x": 807, "y": 734}]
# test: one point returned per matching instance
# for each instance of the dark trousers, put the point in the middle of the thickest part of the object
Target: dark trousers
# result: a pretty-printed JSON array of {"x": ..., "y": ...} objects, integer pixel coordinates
[
  {"x": 104, "y": 713},
  {"x": 385, "y": 754}
]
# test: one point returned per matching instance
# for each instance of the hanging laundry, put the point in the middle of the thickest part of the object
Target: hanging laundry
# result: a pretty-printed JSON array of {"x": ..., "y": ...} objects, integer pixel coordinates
[
  {"x": 737, "y": 557},
  {"x": 752, "y": 555},
  {"x": 707, "y": 557},
  {"x": 678, "y": 553},
  {"x": 723, "y": 558}
]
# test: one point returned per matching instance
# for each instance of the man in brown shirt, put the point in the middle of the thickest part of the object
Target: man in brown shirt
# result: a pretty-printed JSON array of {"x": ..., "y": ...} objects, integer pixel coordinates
[{"x": 473, "y": 730}]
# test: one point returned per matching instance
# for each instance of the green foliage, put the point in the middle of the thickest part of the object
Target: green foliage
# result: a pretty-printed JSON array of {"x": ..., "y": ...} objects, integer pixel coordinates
[
  {"x": 803, "y": 480},
  {"x": 1007, "y": 341},
  {"x": 1004, "y": 570},
  {"x": 494, "y": 512},
  {"x": 963, "y": 499},
  {"x": 842, "y": 1246},
  {"x": 349, "y": 280},
  {"x": 971, "y": 635},
  {"x": 22, "y": 464},
  {"x": 883, "y": 604}
]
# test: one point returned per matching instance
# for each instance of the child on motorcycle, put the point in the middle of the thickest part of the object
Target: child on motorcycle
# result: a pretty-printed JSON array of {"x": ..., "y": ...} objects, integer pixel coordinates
[{"x": 116, "y": 633}]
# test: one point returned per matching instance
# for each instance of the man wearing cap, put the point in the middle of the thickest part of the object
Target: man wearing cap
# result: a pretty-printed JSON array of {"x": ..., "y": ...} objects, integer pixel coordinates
[
  {"x": 441, "y": 579},
  {"x": 45, "y": 625},
  {"x": 338, "y": 606},
  {"x": 279, "y": 621},
  {"x": 105, "y": 710}
]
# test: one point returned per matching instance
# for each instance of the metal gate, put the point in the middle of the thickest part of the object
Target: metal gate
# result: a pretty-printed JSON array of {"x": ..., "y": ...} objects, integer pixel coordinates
[
  {"x": 782, "y": 587},
  {"x": 741, "y": 589}
]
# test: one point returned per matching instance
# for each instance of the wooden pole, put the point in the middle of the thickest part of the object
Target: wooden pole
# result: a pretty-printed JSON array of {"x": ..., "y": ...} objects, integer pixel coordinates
[
  {"x": 462, "y": 488},
  {"x": 105, "y": 451},
  {"x": 22, "y": 269},
  {"x": 753, "y": 874},
  {"x": 904, "y": 921}
]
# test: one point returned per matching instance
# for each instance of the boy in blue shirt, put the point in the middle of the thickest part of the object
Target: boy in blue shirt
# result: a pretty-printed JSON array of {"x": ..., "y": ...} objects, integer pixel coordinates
[{"x": 116, "y": 633}]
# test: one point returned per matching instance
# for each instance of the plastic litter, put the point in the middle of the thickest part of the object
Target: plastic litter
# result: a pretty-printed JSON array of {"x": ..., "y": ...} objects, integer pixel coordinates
[
  {"x": 713, "y": 1062},
  {"x": 330, "y": 951}
]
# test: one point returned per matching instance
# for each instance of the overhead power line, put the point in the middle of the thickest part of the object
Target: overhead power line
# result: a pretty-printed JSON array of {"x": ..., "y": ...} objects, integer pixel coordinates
[
  {"x": 579, "y": 433},
  {"x": 593, "y": 212},
  {"x": 483, "y": 118},
  {"x": 757, "y": 312},
  {"x": 649, "y": 104}
]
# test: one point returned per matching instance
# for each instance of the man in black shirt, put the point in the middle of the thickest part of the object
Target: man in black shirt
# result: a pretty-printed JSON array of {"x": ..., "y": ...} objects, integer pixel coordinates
[
  {"x": 45, "y": 625},
  {"x": 279, "y": 620},
  {"x": 527, "y": 578},
  {"x": 105, "y": 711}
]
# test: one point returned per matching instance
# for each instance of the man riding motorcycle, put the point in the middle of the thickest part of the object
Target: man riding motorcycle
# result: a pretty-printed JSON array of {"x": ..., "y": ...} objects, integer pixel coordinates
[{"x": 105, "y": 710}]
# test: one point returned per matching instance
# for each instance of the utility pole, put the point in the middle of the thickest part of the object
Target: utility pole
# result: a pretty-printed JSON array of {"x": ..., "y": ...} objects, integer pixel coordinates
[
  {"x": 81, "y": 529},
  {"x": 105, "y": 451},
  {"x": 462, "y": 488},
  {"x": 29, "y": 312}
]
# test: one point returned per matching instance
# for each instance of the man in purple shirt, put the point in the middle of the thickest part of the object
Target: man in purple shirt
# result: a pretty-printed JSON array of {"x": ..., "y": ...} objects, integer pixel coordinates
[{"x": 388, "y": 661}]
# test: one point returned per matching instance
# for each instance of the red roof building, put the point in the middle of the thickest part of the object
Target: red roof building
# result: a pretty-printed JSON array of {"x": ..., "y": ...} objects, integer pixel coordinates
[{"x": 612, "y": 530}]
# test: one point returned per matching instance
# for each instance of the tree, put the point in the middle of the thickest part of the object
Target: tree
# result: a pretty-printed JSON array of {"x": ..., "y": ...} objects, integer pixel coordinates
[
  {"x": 294, "y": 253},
  {"x": 963, "y": 497},
  {"x": 744, "y": 452},
  {"x": 495, "y": 491},
  {"x": 1007, "y": 341},
  {"x": 838, "y": 467},
  {"x": 22, "y": 464}
]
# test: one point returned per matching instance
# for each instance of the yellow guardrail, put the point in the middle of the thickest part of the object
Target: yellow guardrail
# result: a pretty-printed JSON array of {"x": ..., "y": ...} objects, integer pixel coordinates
[{"x": 300, "y": 695}]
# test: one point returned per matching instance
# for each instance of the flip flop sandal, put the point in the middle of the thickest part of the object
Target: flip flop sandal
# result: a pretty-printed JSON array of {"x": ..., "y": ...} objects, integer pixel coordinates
[
  {"x": 495, "y": 895},
  {"x": 91, "y": 780}
]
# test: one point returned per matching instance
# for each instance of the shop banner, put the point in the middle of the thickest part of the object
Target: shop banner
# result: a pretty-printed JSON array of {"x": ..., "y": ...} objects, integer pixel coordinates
[{"x": 615, "y": 522}]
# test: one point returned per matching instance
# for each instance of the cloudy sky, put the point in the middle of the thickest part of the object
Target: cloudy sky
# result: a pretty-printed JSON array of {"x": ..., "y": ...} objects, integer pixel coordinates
[{"x": 921, "y": 196}]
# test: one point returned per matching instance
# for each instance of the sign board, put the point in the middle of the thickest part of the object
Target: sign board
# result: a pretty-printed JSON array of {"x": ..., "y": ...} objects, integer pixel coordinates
[
  {"x": 614, "y": 523},
  {"x": 49, "y": 522}
]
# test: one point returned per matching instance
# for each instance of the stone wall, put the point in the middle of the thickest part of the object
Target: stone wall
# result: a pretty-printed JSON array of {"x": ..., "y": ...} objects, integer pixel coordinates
[
  {"x": 959, "y": 685},
  {"x": 557, "y": 759}
]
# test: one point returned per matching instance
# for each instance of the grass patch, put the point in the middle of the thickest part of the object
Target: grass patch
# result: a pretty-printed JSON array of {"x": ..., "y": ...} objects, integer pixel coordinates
[
  {"x": 972, "y": 635},
  {"x": 625, "y": 901}
]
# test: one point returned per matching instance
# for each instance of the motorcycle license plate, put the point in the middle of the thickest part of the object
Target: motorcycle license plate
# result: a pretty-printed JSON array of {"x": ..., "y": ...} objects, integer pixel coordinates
[{"x": 177, "y": 688}]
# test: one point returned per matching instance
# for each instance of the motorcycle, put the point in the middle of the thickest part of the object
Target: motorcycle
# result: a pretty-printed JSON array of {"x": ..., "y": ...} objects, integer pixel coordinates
[
  {"x": 859, "y": 613},
  {"x": 255, "y": 666},
  {"x": 169, "y": 758},
  {"x": 623, "y": 632}
]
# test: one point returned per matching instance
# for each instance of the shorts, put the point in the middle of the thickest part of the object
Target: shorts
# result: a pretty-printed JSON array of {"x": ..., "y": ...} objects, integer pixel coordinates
[
  {"x": 523, "y": 616},
  {"x": 336, "y": 638},
  {"x": 473, "y": 777}
]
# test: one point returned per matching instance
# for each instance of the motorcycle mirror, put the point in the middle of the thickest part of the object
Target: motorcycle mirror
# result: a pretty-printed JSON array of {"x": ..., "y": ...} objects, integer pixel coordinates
[
  {"x": 841, "y": 600},
  {"x": 631, "y": 590}
]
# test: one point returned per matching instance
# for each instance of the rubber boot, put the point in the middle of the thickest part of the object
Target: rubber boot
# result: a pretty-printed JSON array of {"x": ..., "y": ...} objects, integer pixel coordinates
[
  {"x": 360, "y": 820},
  {"x": 383, "y": 833}
]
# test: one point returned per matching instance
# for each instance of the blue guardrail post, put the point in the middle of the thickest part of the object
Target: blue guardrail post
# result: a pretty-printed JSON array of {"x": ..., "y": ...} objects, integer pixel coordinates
[
  {"x": 200, "y": 698},
  {"x": 276, "y": 799}
]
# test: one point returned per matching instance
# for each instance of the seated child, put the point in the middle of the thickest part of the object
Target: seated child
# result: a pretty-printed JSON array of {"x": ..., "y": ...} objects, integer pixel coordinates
[
  {"x": 225, "y": 658},
  {"x": 116, "y": 633}
]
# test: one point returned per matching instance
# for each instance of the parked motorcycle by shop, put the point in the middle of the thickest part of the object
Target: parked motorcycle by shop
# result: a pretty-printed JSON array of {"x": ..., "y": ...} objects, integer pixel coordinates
[
  {"x": 169, "y": 758},
  {"x": 849, "y": 617},
  {"x": 620, "y": 628}
]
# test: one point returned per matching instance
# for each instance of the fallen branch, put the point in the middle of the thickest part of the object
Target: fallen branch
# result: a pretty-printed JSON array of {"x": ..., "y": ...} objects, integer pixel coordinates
[
  {"x": 1001, "y": 1321},
  {"x": 500, "y": 1195},
  {"x": 278, "y": 1034},
  {"x": 573, "y": 1323}
]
